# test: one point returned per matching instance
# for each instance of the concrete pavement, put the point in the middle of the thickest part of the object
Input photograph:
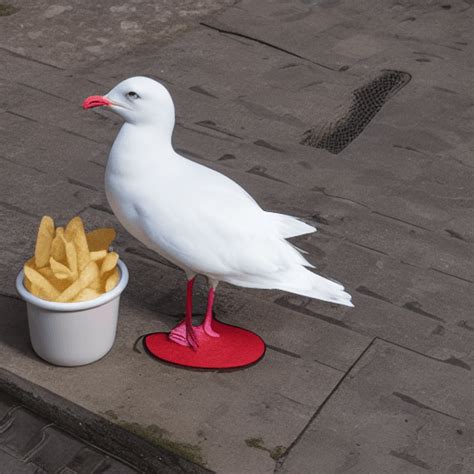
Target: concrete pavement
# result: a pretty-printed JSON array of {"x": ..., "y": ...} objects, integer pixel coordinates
[{"x": 385, "y": 387}]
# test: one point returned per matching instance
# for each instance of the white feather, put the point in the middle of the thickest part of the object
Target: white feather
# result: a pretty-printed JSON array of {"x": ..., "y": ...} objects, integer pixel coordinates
[{"x": 197, "y": 218}]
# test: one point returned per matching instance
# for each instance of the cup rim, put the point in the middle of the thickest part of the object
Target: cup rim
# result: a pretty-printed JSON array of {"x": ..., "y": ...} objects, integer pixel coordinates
[{"x": 77, "y": 306}]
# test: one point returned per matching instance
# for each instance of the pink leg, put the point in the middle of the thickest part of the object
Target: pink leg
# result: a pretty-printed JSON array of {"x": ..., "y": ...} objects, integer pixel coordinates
[
  {"x": 207, "y": 324},
  {"x": 184, "y": 333}
]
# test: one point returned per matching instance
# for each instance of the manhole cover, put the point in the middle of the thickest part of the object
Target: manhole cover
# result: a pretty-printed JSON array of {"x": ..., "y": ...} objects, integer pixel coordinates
[{"x": 366, "y": 102}]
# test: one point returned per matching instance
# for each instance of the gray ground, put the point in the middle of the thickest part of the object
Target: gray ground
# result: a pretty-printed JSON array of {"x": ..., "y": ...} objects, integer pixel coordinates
[{"x": 383, "y": 388}]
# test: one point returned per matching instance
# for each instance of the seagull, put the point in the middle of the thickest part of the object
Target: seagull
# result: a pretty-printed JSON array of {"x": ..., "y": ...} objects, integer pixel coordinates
[{"x": 195, "y": 217}]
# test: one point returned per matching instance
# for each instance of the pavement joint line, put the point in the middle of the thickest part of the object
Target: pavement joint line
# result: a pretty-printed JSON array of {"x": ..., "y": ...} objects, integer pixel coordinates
[
  {"x": 443, "y": 361},
  {"x": 265, "y": 43},
  {"x": 27, "y": 58},
  {"x": 450, "y": 275},
  {"x": 22, "y": 165},
  {"x": 43, "y": 91},
  {"x": 280, "y": 462},
  {"x": 21, "y": 116}
]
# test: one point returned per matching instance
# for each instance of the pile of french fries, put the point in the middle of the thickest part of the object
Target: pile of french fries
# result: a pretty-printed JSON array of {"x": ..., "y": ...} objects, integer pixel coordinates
[{"x": 71, "y": 265}]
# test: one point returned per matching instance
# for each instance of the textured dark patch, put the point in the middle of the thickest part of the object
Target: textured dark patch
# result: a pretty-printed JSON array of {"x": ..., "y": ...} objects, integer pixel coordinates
[
  {"x": 455, "y": 234},
  {"x": 365, "y": 291},
  {"x": 412, "y": 401},
  {"x": 320, "y": 219},
  {"x": 458, "y": 363},
  {"x": 366, "y": 102},
  {"x": 7, "y": 10},
  {"x": 411, "y": 459},
  {"x": 283, "y": 351},
  {"x": 463, "y": 324},
  {"x": 267, "y": 145},
  {"x": 100, "y": 207},
  {"x": 416, "y": 308},
  {"x": 76, "y": 182},
  {"x": 283, "y": 301},
  {"x": 226, "y": 157},
  {"x": 262, "y": 171},
  {"x": 438, "y": 331},
  {"x": 202, "y": 91},
  {"x": 213, "y": 126}
]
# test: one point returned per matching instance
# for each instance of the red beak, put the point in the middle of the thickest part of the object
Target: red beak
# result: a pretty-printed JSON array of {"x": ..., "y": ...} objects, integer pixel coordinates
[{"x": 95, "y": 101}]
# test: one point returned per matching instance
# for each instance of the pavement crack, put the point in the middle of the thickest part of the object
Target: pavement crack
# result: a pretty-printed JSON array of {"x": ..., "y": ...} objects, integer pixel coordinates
[
  {"x": 281, "y": 459},
  {"x": 265, "y": 43}
]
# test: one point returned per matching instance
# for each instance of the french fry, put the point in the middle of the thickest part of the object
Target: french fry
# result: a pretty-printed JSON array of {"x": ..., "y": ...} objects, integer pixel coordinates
[
  {"x": 86, "y": 294},
  {"x": 75, "y": 232},
  {"x": 71, "y": 258},
  {"x": 43, "y": 241},
  {"x": 48, "y": 291},
  {"x": 27, "y": 284},
  {"x": 60, "y": 271},
  {"x": 98, "y": 255},
  {"x": 100, "y": 239},
  {"x": 60, "y": 285},
  {"x": 31, "y": 263},
  {"x": 112, "y": 280},
  {"x": 70, "y": 265},
  {"x": 109, "y": 263},
  {"x": 86, "y": 277},
  {"x": 58, "y": 249}
]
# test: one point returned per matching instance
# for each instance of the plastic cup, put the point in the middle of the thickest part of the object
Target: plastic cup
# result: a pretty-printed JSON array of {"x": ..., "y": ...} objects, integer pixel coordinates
[{"x": 73, "y": 334}]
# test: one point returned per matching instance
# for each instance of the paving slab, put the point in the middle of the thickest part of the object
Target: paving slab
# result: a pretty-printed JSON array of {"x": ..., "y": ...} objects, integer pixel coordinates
[{"x": 395, "y": 412}]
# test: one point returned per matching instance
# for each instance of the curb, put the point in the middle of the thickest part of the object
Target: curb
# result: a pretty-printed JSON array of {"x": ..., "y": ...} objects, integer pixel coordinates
[{"x": 93, "y": 429}]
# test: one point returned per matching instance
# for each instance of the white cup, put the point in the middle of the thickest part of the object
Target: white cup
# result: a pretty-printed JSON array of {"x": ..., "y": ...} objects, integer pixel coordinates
[{"x": 72, "y": 334}]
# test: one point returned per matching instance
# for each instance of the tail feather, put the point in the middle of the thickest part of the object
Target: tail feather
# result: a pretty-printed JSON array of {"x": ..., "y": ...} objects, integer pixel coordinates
[
  {"x": 300, "y": 281},
  {"x": 306, "y": 283},
  {"x": 289, "y": 226}
]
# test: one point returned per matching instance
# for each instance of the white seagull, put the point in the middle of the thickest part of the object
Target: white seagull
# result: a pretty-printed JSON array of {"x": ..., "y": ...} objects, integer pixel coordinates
[{"x": 195, "y": 217}]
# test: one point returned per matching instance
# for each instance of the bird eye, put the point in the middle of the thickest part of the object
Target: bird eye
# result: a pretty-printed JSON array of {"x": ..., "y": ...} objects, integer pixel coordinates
[{"x": 133, "y": 95}]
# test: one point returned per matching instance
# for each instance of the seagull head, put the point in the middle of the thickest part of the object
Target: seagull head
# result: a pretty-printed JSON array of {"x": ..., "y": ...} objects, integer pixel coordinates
[{"x": 139, "y": 100}]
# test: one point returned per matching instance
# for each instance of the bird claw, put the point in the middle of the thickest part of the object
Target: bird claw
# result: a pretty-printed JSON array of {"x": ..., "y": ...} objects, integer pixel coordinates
[
  {"x": 209, "y": 331},
  {"x": 183, "y": 337}
]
